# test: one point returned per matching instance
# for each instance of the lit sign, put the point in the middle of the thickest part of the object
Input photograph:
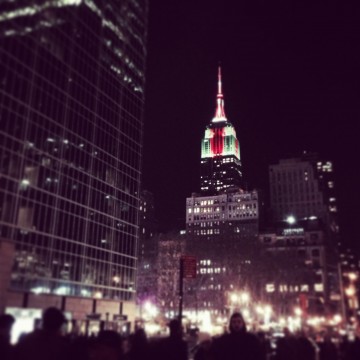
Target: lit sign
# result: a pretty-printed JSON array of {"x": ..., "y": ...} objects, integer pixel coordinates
[
  {"x": 295, "y": 231},
  {"x": 188, "y": 266}
]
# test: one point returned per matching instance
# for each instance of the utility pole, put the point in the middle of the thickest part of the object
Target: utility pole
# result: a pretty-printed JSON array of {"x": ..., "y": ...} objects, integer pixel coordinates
[
  {"x": 187, "y": 271},
  {"x": 181, "y": 289},
  {"x": 342, "y": 296}
]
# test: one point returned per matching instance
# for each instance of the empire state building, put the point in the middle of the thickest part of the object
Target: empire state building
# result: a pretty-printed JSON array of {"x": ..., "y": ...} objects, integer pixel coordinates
[
  {"x": 223, "y": 207},
  {"x": 222, "y": 222},
  {"x": 220, "y": 152}
]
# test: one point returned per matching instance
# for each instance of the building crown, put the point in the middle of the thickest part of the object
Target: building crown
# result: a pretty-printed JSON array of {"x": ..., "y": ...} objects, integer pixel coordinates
[{"x": 220, "y": 112}]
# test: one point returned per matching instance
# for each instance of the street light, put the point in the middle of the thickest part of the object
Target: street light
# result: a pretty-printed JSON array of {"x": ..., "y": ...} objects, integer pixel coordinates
[
  {"x": 298, "y": 311},
  {"x": 350, "y": 291},
  {"x": 352, "y": 276},
  {"x": 337, "y": 318},
  {"x": 234, "y": 298},
  {"x": 245, "y": 297},
  {"x": 291, "y": 220}
]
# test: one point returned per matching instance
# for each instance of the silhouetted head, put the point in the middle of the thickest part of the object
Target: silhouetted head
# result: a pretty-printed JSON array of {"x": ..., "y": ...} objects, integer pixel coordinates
[
  {"x": 237, "y": 323},
  {"x": 6, "y": 323},
  {"x": 287, "y": 332},
  {"x": 175, "y": 328},
  {"x": 139, "y": 337},
  {"x": 53, "y": 319},
  {"x": 110, "y": 338}
]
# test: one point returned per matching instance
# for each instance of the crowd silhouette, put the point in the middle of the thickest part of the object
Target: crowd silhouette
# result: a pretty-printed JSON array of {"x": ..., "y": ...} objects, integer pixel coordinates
[{"x": 52, "y": 343}]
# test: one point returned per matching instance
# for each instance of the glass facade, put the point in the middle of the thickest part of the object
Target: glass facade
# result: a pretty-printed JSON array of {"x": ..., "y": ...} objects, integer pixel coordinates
[{"x": 71, "y": 105}]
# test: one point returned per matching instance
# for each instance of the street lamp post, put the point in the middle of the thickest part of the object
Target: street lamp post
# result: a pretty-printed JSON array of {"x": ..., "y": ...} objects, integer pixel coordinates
[{"x": 342, "y": 296}]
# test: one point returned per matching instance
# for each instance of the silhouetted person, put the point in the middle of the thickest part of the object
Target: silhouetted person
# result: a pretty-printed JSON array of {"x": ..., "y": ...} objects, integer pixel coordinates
[
  {"x": 173, "y": 347},
  {"x": 238, "y": 344},
  {"x": 353, "y": 349},
  {"x": 327, "y": 349},
  {"x": 265, "y": 346},
  {"x": 139, "y": 347},
  {"x": 286, "y": 347},
  {"x": 107, "y": 346},
  {"x": 6, "y": 349},
  {"x": 46, "y": 343},
  {"x": 305, "y": 347},
  {"x": 204, "y": 350},
  {"x": 343, "y": 347}
]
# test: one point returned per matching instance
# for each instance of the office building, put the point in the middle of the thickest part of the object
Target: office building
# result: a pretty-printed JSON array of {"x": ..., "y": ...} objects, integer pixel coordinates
[
  {"x": 71, "y": 107},
  {"x": 148, "y": 250},
  {"x": 303, "y": 187},
  {"x": 302, "y": 191},
  {"x": 304, "y": 268}
]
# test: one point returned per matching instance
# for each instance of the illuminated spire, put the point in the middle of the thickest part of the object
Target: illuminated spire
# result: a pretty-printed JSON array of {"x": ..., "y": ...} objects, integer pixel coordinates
[{"x": 220, "y": 112}]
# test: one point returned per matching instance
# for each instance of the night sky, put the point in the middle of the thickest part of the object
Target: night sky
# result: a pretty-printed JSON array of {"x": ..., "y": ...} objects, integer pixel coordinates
[{"x": 290, "y": 80}]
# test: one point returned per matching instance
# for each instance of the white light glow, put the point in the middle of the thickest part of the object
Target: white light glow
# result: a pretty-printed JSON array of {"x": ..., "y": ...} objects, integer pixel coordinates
[
  {"x": 25, "y": 182},
  {"x": 290, "y": 219},
  {"x": 40, "y": 290},
  {"x": 62, "y": 290},
  {"x": 98, "y": 295},
  {"x": 297, "y": 311}
]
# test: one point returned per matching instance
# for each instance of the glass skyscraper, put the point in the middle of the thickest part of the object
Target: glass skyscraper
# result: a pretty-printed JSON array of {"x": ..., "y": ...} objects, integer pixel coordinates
[{"x": 71, "y": 106}]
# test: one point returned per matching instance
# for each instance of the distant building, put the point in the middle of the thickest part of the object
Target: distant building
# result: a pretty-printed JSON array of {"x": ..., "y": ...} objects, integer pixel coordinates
[
  {"x": 226, "y": 214},
  {"x": 303, "y": 187},
  {"x": 170, "y": 248},
  {"x": 148, "y": 249},
  {"x": 147, "y": 221},
  {"x": 71, "y": 108},
  {"x": 222, "y": 221},
  {"x": 302, "y": 192},
  {"x": 302, "y": 257},
  {"x": 349, "y": 267}
]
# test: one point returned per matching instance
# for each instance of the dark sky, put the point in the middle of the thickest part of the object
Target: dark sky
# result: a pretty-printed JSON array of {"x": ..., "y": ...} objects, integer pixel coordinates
[{"x": 290, "y": 80}]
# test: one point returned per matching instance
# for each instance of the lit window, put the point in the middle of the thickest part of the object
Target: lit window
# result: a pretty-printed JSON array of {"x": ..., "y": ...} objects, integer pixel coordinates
[{"x": 24, "y": 183}]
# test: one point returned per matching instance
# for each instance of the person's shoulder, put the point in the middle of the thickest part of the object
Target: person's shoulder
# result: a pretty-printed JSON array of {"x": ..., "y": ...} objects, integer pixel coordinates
[
  {"x": 30, "y": 337},
  {"x": 219, "y": 339},
  {"x": 251, "y": 337},
  {"x": 222, "y": 338}
]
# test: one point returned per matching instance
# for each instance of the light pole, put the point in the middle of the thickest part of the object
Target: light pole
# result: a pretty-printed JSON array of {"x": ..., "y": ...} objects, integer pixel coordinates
[{"x": 342, "y": 296}]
